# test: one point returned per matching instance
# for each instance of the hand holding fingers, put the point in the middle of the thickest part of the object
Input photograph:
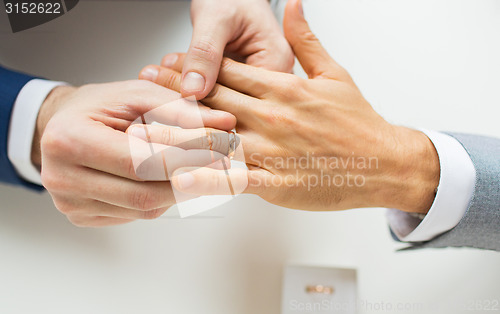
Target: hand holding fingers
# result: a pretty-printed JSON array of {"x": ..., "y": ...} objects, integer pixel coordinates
[
  {"x": 244, "y": 78},
  {"x": 86, "y": 155},
  {"x": 242, "y": 28},
  {"x": 221, "y": 98},
  {"x": 247, "y": 79},
  {"x": 258, "y": 82}
]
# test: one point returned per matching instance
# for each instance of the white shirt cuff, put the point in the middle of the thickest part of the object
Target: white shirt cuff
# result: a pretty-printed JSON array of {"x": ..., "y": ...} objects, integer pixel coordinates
[
  {"x": 23, "y": 124},
  {"x": 455, "y": 190}
]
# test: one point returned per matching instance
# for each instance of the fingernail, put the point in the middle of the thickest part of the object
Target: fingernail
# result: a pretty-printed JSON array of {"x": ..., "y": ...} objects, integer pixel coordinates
[
  {"x": 138, "y": 131},
  {"x": 150, "y": 73},
  {"x": 170, "y": 60},
  {"x": 193, "y": 82},
  {"x": 185, "y": 180},
  {"x": 301, "y": 9}
]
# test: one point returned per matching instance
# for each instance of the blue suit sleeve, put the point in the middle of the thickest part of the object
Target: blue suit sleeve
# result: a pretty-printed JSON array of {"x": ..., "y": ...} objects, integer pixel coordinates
[{"x": 11, "y": 84}]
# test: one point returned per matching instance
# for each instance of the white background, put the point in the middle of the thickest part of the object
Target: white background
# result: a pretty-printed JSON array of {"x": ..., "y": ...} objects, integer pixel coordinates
[{"x": 432, "y": 64}]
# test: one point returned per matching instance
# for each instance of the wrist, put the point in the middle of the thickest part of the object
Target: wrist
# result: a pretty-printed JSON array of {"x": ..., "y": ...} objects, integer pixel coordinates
[
  {"x": 52, "y": 103},
  {"x": 414, "y": 173}
]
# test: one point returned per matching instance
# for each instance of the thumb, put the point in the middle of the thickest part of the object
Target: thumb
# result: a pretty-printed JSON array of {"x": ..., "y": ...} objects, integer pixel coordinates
[
  {"x": 314, "y": 59},
  {"x": 204, "y": 57}
]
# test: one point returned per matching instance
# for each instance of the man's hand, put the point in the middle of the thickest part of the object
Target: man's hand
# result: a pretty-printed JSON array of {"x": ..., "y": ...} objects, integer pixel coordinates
[
  {"x": 243, "y": 29},
  {"x": 85, "y": 154},
  {"x": 314, "y": 144}
]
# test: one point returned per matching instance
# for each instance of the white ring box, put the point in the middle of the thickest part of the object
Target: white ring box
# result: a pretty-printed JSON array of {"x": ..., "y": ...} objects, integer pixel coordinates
[{"x": 319, "y": 290}]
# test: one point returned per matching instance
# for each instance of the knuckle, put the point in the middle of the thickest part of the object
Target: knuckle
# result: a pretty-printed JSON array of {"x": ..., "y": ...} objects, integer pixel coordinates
[
  {"x": 227, "y": 65},
  {"x": 308, "y": 37},
  {"x": 294, "y": 84},
  {"x": 65, "y": 207},
  {"x": 167, "y": 136},
  {"x": 53, "y": 182},
  {"x": 169, "y": 79},
  {"x": 49, "y": 181},
  {"x": 279, "y": 116},
  {"x": 144, "y": 200},
  {"x": 288, "y": 88},
  {"x": 343, "y": 74},
  {"x": 205, "y": 50},
  {"x": 55, "y": 143}
]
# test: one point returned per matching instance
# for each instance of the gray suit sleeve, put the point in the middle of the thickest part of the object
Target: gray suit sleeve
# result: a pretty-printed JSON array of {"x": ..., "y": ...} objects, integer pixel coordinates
[{"x": 480, "y": 226}]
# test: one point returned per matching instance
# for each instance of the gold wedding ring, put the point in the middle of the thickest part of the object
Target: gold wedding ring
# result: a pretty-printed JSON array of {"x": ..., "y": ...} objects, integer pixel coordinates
[
  {"x": 320, "y": 289},
  {"x": 233, "y": 144},
  {"x": 210, "y": 145}
]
